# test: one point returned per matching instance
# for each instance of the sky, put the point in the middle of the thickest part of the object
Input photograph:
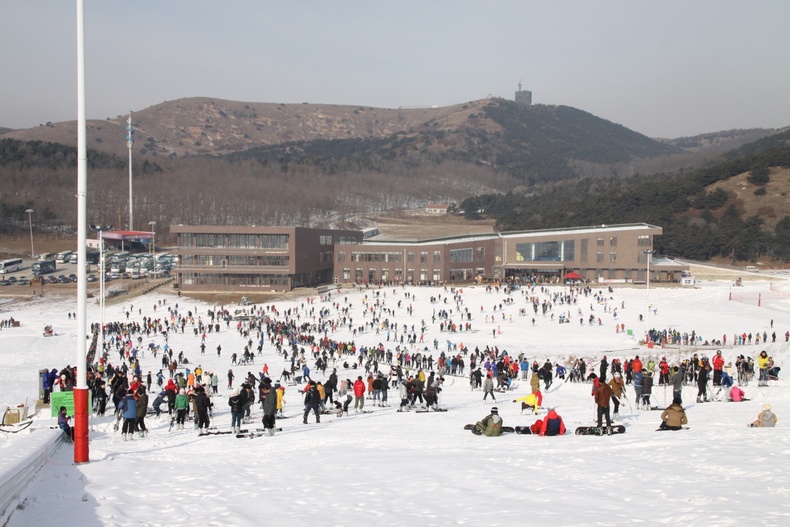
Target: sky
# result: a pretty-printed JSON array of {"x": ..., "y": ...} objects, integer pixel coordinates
[
  {"x": 410, "y": 468},
  {"x": 667, "y": 68}
]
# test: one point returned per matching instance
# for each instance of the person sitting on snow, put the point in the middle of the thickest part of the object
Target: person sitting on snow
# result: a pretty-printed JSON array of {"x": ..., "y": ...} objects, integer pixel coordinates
[
  {"x": 533, "y": 400},
  {"x": 674, "y": 417},
  {"x": 766, "y": 418},
  {"x": 491, "y": 425},
  {"x": 552, "y": 425},
  {"x": 737, "y": 395}
]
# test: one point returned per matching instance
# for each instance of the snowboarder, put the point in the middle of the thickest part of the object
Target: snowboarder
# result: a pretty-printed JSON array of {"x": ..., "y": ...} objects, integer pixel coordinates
[
  {"x": 490, "y": 425},
  {"x": 603, "y": 396},
  {"x": 552, "y": 425},
  {"x": 269, "y": 407},
  {"x": 312, "y": 400}
]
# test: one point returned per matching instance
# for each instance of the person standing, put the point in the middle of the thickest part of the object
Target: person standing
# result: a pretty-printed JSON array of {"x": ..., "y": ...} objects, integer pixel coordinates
[
  {"x": 202, "y": 405},
  {"x": 312, "y": 400},
  {"x": 702, "y": 381},
  {"x": 718, "y": 366},
  {"x": 603, "y": 396},
  {"x": 128, "y": 409},
  {"x": 181, "y": 405},
  {"x": 677, "y": 383},
  {"x": 674, "y": 417},
  {"x": 359, "y": 395},
  {"x": 142, "y": 410},
  {"x": 236, "y": 403},
  {"x": 618, "y": 391},
  {"x": 270, "y": 407},
  {"x": 604, "y": 367},
  {"x": 488, "y": 388}
]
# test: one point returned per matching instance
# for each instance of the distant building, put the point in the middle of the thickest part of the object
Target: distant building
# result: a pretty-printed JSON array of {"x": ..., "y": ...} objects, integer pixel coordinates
[
  {"x": 227, "y": 258},
  {"x": 436, "y": 208},
  {"x": 523, "y": 97}
]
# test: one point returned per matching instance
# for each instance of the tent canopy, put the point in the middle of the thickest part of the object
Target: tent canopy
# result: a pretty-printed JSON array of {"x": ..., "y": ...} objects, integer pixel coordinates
[{"x": 573, "y": 275}]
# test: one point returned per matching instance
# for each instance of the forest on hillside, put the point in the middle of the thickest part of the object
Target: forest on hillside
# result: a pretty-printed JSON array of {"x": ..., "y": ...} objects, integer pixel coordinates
[{"x": 698, "y": 223}]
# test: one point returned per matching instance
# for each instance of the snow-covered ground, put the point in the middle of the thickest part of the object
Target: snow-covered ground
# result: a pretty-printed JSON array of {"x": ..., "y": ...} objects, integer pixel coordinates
[{"x": 411, "y": 468}]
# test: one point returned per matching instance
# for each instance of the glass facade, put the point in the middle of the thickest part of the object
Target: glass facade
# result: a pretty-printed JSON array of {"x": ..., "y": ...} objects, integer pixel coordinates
[{"x": 561, "y": 251}]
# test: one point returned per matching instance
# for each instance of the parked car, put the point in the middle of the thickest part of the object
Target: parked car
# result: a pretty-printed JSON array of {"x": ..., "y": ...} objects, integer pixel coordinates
[
  {"x": 23, "y": 281},
  {"x": 5, "y": 281},
  {"x": 64, "y": 279},
  {"x": 73, "y": 277},
  {"x": 91, "y": 278},
  {"x": 52, "y": 280},
  {"x": 12, "y": 279}
]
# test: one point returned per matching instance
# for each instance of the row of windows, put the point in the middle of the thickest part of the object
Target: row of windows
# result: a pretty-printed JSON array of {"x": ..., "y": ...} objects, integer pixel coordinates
[
  {"x": 223, "y": 261},
  {"x": 234, "y": 279},
  {"x": 423, "y": 275},
  {"x": 234, "y": 241}
]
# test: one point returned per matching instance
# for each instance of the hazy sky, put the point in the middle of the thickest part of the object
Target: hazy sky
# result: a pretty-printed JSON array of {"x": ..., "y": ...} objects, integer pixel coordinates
[{"x": 664, "y": 68}]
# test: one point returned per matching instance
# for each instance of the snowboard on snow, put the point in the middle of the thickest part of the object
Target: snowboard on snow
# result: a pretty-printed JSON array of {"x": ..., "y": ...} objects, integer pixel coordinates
[
  {"x": 427, "y": 410},
  {"x": 599, "y": 431},
  {"x": 253, "y": 435},
  {"x": 224, "y": 432},
  {"x": 523, "y": 430}
]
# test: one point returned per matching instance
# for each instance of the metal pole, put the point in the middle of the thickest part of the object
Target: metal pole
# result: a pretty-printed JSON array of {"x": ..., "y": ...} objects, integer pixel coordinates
[
  {"x": 100, "y": 347},
  {"x": 81, "y": 408},
  {"x": 129, "y": 143},
  {"x": 30, "y": 220}
]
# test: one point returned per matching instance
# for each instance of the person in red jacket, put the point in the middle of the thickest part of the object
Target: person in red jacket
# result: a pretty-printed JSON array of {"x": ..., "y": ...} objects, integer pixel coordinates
[
  {"x": 359, "y": 394},
  {"x": 552, "y": 425},
  {"x": 663, "y": 369},
  {"x": 636, "y": 364},
  {"x": 718, "y": 366}
]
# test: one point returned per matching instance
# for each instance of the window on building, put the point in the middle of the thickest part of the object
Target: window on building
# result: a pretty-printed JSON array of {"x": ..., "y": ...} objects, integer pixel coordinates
[
  {"x": 325, "y": 239},
  {"x": 583, "y": 249},
  {"x": 480, "y": 254},
  {"x": 599, "y": 242},
  {"x": 274, "y": 241},
  {"x": 346, "y": 274},
  {"x": 460, "y": 255},
  {"x": 599, "y": 257},
  {"x": 612, "y": 257},
  {"x": 410, "y": 257},
  {"x": 644, "y": 240},
  {"x": 341, "y": 256},
  {"x": 613, "y": 241},
  {"x": 437, "y": 256},
  {"x": 423, "y": 257}
]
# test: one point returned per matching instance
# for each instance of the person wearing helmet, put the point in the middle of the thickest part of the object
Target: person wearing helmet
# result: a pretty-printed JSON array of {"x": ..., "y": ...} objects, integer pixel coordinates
[{"x": 491, "y": 425}]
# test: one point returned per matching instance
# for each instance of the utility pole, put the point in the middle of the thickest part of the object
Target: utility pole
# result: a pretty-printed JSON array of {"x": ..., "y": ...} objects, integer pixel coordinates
[{"x": 130, "y": 143}]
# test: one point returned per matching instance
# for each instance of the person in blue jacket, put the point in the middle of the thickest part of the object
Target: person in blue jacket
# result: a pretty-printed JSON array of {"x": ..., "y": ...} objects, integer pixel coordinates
[
  {"x": 63, "y": 423},
  {"x": 128, "y": 408}
]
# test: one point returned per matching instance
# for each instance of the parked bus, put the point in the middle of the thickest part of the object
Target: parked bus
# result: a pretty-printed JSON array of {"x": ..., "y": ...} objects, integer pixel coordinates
[
  {"x": 63, "y": 256},
  {"x": 42, "y": 267},
  {"x": 91, "y": 257},
  {"x": 9, "y": 266}
]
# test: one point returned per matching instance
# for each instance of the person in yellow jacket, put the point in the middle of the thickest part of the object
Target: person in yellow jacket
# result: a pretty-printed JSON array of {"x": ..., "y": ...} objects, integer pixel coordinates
[
  {"x": 763, "y": 363},
  {"x": 280, "y": 398},
  {"x": 534, "y": 400}
]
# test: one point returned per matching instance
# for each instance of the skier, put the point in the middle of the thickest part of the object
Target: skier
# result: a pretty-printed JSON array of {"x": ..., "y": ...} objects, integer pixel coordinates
[
  {"x": 647, "y": 389},
  {"x": 359, "y": 394},
  {"x": 673, "y": 417},
  {"x": 490, "y": 425}
]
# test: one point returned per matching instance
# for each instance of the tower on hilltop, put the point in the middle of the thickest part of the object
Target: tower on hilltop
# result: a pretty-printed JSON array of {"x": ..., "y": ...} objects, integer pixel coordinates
[{"x": 523, "y": 97}]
